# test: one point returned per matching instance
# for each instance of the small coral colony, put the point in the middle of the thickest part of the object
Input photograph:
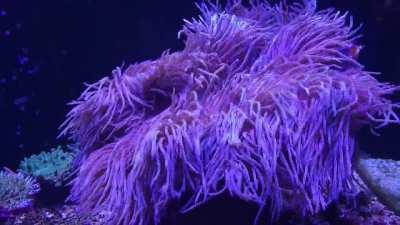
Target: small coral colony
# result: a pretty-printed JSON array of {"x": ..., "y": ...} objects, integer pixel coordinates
[
  {"x": 263, "y": 102},
  {"x": 17, "y": 189}
]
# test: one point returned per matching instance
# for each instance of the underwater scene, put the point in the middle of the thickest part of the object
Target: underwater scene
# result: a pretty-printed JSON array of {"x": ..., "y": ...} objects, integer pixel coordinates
[{"x": 203, "y": 112}]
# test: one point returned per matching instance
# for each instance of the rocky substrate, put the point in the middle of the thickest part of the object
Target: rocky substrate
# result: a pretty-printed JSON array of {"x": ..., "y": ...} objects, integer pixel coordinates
[
  {"x": 362, "y": 210},
  {"x": 58, "y": 215},
  {"x": 383, "y": 178}
]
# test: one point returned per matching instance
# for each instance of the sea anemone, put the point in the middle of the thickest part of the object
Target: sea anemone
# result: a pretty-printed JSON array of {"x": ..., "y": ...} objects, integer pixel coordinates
[{"x": 263, "y": 102}]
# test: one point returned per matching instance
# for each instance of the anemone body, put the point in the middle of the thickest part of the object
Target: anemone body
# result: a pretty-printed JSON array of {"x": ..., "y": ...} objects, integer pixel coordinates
[{"x": 263, "y": 102}]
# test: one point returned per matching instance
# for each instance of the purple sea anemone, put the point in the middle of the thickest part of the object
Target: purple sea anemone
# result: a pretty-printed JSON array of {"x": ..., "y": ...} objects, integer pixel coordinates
[{"x": 263, "y": 102}]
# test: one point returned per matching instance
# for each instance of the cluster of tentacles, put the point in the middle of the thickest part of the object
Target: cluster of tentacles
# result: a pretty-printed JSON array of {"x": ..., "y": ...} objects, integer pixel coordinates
[{"x": 263, "y": 102}]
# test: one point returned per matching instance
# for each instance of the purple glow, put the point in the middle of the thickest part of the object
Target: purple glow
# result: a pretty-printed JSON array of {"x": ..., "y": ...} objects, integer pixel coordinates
[{"x": 263, "y": 102}]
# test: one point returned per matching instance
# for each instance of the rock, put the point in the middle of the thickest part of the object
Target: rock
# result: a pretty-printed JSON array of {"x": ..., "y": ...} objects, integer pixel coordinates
[{"x": 383, "y": 177}]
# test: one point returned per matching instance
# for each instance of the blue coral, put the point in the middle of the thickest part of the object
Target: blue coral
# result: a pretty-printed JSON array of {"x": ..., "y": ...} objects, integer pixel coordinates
[{"x": 54, "y": 166}]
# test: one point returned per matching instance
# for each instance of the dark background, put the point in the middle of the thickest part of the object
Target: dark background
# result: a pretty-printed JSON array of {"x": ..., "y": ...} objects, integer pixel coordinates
[{"x": 49, "y": 48}]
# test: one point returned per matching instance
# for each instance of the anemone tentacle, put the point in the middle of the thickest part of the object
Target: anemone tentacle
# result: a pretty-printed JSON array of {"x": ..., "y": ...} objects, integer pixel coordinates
[{"x": 264, "y": 102}]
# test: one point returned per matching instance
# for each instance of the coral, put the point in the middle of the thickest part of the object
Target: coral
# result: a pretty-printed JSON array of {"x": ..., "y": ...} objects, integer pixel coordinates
[
  {"x": 16, "y": 192},
  {"x": 55, "y": 166},
  {"x": 263, "y": 102}
]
